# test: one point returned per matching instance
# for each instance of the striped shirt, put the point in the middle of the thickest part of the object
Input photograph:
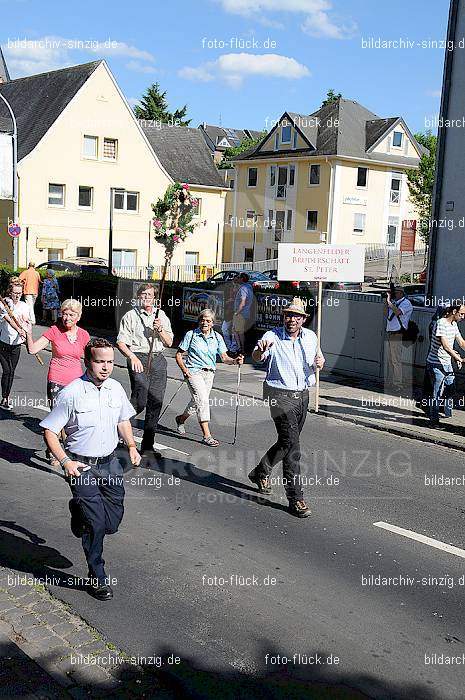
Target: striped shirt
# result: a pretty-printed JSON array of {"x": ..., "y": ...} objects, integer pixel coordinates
[{"x": 446, "y": 330}]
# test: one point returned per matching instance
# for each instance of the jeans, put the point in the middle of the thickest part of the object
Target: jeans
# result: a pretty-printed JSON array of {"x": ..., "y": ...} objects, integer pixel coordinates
[
  {"x": 439, "y": 380},
  {"x": 148, "y": 391},
  {"x": 288, "y": 413},
  {"x": 9, "y": 357},
  {"x": 99, "y": 495}
]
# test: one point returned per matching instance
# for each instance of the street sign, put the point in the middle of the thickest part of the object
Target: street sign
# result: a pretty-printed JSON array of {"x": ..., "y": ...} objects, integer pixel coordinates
[
  {"x": 14, "y": 230},
  {"x": 320, "y": 262}
]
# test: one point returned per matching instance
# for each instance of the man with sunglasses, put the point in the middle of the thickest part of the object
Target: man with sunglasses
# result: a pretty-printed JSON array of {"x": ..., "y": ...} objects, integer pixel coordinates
[{"x": 292, "y": 355}]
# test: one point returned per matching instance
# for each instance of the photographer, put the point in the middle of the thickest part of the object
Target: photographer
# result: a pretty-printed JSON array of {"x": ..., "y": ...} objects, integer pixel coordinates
[{"x": 399, "y": 310}]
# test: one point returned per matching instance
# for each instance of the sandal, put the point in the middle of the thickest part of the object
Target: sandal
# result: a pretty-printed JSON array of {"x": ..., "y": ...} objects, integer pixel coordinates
[{"x": 210, "y": 441}]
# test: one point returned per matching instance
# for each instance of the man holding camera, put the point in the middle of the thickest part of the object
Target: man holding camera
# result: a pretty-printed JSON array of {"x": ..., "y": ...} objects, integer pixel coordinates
[{"x": 399, "y": 310}]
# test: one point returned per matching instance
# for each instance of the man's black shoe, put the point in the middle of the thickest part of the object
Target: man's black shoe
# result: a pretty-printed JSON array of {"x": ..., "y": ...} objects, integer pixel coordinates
[
  {"x": 262, "y": 483},
  {"x": 77, "y": 526},
  {"x": 436, "y": 425},
  {"x": 149, "y": 451},
  {"x": 101, "y": 591},
  {"x": 299, "y": 508}
]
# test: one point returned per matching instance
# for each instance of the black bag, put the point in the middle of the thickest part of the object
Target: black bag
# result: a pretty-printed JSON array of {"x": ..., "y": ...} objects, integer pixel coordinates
[{"x": 410, "y": 334}]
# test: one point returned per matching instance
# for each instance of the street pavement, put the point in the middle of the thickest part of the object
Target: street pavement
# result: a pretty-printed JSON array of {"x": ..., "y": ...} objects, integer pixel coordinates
[{"x": 362, "y": 599}]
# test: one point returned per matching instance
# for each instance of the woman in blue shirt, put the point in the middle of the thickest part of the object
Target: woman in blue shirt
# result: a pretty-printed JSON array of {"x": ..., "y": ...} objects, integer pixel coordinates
[{"x": 201, "y": 346}]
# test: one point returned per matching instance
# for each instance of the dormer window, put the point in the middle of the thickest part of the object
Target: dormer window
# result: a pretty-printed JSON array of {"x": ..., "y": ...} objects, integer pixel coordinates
[
  {"x": 397, "y": 138},
  {"x": 286, "y": 134}
]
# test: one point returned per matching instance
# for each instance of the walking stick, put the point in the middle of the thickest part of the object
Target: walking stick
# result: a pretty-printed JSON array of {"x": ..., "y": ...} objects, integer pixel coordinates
[
  {"x": 13, "y": 317},
  {"x": 237, "y": 403},
  {"x": 171, "y": 400}
]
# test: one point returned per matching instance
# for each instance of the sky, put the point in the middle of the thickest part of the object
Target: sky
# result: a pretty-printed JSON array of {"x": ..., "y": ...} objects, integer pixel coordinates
[{"x": 242, "y": 63}]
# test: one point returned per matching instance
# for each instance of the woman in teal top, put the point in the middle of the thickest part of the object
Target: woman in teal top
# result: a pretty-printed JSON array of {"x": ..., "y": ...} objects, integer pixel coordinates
[{"x": 201, "y": 346}]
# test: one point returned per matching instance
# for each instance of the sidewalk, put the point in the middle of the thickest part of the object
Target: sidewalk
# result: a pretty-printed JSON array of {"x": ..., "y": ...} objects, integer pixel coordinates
[{"x": 358, "y": 401}]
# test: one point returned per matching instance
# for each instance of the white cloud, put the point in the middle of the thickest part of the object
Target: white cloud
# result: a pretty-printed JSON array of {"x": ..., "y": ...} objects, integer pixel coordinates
[
  {"x": 28, "y": 56},
  {"x": 234, "y": 67},
  {"x": 317, "y": 20}
]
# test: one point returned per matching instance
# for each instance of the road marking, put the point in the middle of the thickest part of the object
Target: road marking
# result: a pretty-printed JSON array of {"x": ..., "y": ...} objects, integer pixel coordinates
[
  {"x": 437, "y": 544},
  {"x": 156, "y": 445}
]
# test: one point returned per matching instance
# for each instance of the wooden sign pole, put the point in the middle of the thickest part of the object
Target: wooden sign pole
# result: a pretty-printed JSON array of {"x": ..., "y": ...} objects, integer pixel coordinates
[{"x": 318, "y": 346}]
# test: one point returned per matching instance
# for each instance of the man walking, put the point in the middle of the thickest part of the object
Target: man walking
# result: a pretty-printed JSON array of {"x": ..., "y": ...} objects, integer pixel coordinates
[
  {"x": 399, "y": 311},
  {"x": 135, "y": 333},
  {"x": 292, "y": 356},
  {"x": 31, "y": 280},
  {"x": 93, "y": 410}
]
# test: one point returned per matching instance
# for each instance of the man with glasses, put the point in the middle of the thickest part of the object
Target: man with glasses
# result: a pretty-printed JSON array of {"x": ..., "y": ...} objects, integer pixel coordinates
[
  {"x": 135, "y": 333},
  {"x": 292, "y": 355}
]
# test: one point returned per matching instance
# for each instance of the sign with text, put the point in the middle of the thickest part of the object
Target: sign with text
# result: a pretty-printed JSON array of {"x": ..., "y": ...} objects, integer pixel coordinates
[
  {"x": 321, "y": 262},
  {"x": 269, "y": 310},
  {"x": 195, "y": 300},
  {"x": 407, "y": 239}
]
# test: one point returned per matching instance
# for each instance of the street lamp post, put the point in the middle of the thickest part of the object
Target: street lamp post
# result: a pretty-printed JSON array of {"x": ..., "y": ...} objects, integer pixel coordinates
[
  {"x": 15, "y": 176},
  {"x": 110, "y": 230}
]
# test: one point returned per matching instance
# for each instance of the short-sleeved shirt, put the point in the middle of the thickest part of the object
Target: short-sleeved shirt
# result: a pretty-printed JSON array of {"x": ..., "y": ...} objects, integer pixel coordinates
[
  {"x": 290, "y": 363},
  {"x": 31, "y": 281},
  {"x": 245, "y": 292},
  {"x": 22, "y": 314},
  {"x": 396, "y": 323},
  {"x": 135, "y": 330},
  {"x": 202, "y": 349},
  {"x": 65, "y": 365},
  {"x": 90, "y": 416},
  {"x": 446, "y": 330}
]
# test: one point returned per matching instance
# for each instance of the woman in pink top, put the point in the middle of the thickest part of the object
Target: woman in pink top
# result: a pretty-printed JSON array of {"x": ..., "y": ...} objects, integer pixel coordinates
[{"x": 68, "y": 342}]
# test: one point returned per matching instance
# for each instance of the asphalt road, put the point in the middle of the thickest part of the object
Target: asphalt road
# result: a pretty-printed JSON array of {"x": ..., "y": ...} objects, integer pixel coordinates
[{"x": 295, "y": 609}]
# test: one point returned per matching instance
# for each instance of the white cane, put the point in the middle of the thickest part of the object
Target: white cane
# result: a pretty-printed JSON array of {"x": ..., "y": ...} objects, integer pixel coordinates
[
  {"x": 171, "y": 400},
  {"x": 237, "y": 403}
]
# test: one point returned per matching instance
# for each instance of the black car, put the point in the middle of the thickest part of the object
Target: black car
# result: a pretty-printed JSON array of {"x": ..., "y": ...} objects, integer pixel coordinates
[
  {"x": 306, "y": 286},
  {"x": 74, "y": 267},
  {"x": 258, "y": 280}
]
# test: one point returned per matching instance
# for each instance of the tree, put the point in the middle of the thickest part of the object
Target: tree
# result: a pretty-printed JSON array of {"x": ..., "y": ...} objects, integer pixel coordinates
[
  {"x": 154, "y": 106},
  {"x": 421, "y": 182},
  {"x": 331, "y": 97},
  {"x": 233, "y": 151}
]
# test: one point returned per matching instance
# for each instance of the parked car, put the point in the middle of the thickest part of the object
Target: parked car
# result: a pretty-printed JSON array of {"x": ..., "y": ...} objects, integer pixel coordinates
[
  {"x": 75, "y": 265},
  {"x": 258, "y": 280},
  {"x": 305, "y": 286}
]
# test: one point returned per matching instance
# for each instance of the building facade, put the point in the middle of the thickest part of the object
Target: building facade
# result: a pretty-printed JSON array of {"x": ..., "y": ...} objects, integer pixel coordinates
[{"x": 341, "y": 172}]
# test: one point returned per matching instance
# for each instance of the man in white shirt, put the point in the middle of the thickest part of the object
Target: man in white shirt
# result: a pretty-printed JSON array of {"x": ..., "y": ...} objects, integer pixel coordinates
[
  {"x": 15, "y": 320},
  {"x": 399, "y": 311},
  {"x": 93, "y": 411},
  {"x": 135, "y": 333}
]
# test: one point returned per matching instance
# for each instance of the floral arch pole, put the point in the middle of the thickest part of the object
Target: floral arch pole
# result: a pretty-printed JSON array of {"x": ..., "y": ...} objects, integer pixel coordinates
[{"x": 172, "y": 223}]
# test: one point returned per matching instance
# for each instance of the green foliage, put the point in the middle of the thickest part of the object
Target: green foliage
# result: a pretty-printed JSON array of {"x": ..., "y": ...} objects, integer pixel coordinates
[
  {"x": 331, "y": 96},
  {"x": 234, "y": 151},
  {"x": 173, "y": 214},
  {"x": 154, "y": 106},
  {"x": 421, "y": 182}
]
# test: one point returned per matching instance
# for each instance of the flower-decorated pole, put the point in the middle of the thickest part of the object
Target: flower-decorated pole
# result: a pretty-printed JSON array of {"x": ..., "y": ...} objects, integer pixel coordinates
[{"x": 172, "y": 223}]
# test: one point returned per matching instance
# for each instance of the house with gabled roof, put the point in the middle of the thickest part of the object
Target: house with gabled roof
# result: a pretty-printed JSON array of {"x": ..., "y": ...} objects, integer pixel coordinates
[
  {"x": 81, "y": 155},
  {"x": 340, "y": 172},
  {"x": 219, "y": 138}
]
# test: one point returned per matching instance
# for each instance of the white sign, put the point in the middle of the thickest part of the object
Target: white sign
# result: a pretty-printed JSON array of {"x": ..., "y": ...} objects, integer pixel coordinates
[
  {"x": 6, "y": 167},
  {"x": 353, "y": 199},
  {"x": 320, "y": 262}
]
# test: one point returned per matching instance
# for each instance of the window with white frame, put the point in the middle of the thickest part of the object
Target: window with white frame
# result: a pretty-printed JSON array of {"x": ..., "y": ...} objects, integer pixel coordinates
[
  {"x": 286, "y": 133},
  {"x": 279, "y": 226},
  {"x": 396, "y": 181},
  {"x": 124, "y": 258},
  {"x": 359, "y": 224},
  {"x": 197, "y": 210},
  {"x": 85, "y": 196},
  {"x": 362, "y": 177},
  {"x": 110, "y": 149},
  {"x": 312, "y": 220},
  {"x": 314, "y": 174},
  {"x": 281, "y": 190},
  {"x": 191, "y": 258},
  {"x": 393, "y": 226},
  {"x": 252, "y": 177},
  {"x": 90, "y": 147},
  {"x": 126, "y": 201},
  {"x": 397, "y": 139},
  {"x": 56, "y": 195}
]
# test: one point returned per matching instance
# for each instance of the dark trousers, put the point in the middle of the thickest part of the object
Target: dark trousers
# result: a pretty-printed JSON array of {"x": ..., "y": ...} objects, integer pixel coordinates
[
  {"x": 148, "y": 391},
  {"x": 99, "y": 495},
  {"x": 288, "y": 411},
  {"x": 9, "y": 356}
]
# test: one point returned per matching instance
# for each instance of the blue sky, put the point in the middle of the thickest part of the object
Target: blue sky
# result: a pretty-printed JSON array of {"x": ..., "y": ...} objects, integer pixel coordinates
[{"x": 195, "y": 50}]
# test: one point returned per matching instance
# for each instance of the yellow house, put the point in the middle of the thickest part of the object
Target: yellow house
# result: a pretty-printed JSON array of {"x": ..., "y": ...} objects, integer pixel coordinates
[
  {"x": 341, "y": 171},
  {"x": 84, "y": 159}
]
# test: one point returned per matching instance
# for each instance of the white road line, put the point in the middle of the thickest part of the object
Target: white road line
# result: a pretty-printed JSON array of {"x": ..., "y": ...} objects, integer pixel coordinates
[
  {"x": 156, "y": 445},
  {"x": 437, "y": 544}
]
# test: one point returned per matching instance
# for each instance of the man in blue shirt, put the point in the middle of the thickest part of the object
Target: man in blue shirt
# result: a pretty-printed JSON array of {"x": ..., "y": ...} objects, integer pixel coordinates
[{"x": 292, "y": 356}]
